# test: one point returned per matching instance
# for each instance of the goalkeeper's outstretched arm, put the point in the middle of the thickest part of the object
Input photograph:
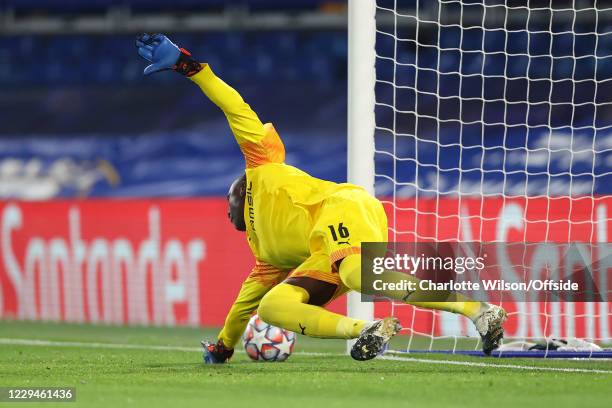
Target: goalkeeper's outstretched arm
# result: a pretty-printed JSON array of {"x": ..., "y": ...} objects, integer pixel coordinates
[{"x": 259, "y": 142}]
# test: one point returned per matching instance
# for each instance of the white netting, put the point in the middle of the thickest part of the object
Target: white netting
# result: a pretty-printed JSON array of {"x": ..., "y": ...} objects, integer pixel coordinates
[{"x": 494, "y": 123}]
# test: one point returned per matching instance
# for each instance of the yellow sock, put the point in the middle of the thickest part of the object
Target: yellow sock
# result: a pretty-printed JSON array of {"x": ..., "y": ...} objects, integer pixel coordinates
[
  {"x": 285, "y": 306},
  {"x": 350, "y": 273}
]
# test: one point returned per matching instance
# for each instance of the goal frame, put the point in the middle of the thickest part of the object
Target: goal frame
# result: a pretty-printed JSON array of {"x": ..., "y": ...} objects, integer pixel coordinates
[{"x": 362, "y": 80}]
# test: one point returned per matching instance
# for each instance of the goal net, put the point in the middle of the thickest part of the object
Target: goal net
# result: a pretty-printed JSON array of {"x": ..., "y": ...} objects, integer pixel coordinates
[{"x": 493, "y": 123}]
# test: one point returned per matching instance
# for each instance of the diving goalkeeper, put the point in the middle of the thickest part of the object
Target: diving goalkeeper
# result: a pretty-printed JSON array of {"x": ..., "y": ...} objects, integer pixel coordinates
[{"x": 305, "y": 233}]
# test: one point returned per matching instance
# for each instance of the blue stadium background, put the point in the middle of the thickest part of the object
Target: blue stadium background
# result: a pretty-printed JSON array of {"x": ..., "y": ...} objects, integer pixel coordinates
[{"x": 77, "y": 118}]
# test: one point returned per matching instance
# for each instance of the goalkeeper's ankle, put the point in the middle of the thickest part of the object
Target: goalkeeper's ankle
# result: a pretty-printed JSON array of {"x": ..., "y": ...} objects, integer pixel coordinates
[{"x": 476, "y": 311}]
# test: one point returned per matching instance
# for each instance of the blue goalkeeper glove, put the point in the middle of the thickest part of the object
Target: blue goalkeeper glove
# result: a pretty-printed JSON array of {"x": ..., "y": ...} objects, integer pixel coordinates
[{"x": 165, "y": 55}]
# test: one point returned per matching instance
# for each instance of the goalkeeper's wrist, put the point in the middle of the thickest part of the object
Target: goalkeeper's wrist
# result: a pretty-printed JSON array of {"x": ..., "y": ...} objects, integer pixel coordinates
[{"x": 186, "y": 65}]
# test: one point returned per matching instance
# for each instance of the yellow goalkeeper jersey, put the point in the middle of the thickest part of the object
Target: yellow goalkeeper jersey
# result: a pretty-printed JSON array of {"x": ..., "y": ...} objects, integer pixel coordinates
[{"x": 282, "y": 202}]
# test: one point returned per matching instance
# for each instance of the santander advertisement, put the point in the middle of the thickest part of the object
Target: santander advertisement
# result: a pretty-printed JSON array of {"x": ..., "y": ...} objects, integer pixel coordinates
[
  {"x": 179, "y": 262},
  {"x": 172, "y": 262}
]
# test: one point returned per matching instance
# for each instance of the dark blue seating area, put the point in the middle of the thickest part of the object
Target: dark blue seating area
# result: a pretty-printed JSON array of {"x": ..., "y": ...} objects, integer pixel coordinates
[
  {"x": 316, "y": 56},
  {"x": 71, "y": 6},
  {"x": 268, "y": 56},
  {"x": 476, "y": 104}
]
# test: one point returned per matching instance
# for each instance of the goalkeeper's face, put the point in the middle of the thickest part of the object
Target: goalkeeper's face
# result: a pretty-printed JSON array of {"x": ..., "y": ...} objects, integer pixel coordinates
[{"x": 235, "y": 201}]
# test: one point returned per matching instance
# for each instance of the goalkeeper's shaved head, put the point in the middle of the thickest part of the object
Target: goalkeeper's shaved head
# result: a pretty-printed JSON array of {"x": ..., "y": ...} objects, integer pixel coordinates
[{"x": 235, "y": 201}]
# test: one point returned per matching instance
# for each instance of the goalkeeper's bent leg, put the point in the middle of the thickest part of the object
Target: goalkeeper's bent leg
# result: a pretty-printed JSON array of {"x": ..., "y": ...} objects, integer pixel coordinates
[
  {"x": 350, "y": 273},
  {"x": 287, "y": 306}
]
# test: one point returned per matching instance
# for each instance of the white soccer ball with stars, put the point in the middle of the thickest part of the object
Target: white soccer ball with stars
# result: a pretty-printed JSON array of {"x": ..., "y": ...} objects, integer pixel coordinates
[{"x": 264, "y": 342}]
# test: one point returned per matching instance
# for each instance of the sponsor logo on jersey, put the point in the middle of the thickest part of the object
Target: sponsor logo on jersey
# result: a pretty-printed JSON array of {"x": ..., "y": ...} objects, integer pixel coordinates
[{"x": 249, "y": 194}]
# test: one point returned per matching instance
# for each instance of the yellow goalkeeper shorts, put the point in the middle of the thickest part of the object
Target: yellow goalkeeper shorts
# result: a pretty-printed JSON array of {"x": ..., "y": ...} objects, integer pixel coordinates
[{"x": 345, "y": 220}]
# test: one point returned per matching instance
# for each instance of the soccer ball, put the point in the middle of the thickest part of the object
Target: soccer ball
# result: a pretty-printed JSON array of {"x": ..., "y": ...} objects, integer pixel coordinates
[{"x": 264, "y": 342}]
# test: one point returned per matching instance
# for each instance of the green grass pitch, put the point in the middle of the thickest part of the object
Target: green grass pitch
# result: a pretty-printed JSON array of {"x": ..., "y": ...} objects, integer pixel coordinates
[{"x": 162, "y": 367}]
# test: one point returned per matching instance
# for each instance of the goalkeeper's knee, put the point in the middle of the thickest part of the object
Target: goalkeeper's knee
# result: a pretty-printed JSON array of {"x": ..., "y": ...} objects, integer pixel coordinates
[{"x": 276, "y": 300}]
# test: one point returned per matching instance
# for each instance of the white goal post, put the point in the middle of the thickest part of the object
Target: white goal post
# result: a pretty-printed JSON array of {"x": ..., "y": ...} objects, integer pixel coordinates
[{"x": 361, "y": 120}]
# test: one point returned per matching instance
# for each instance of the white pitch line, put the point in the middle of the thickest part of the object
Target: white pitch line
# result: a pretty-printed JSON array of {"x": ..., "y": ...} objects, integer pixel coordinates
[
  {"x": 492, "y": 365},
  {"x": 51, "y": 343}
]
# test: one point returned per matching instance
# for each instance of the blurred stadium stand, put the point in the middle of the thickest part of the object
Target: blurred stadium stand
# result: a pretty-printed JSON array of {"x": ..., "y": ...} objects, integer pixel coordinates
[
  {"x": 60, "y": 6},
  {"x": 77, "y": 118}
]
